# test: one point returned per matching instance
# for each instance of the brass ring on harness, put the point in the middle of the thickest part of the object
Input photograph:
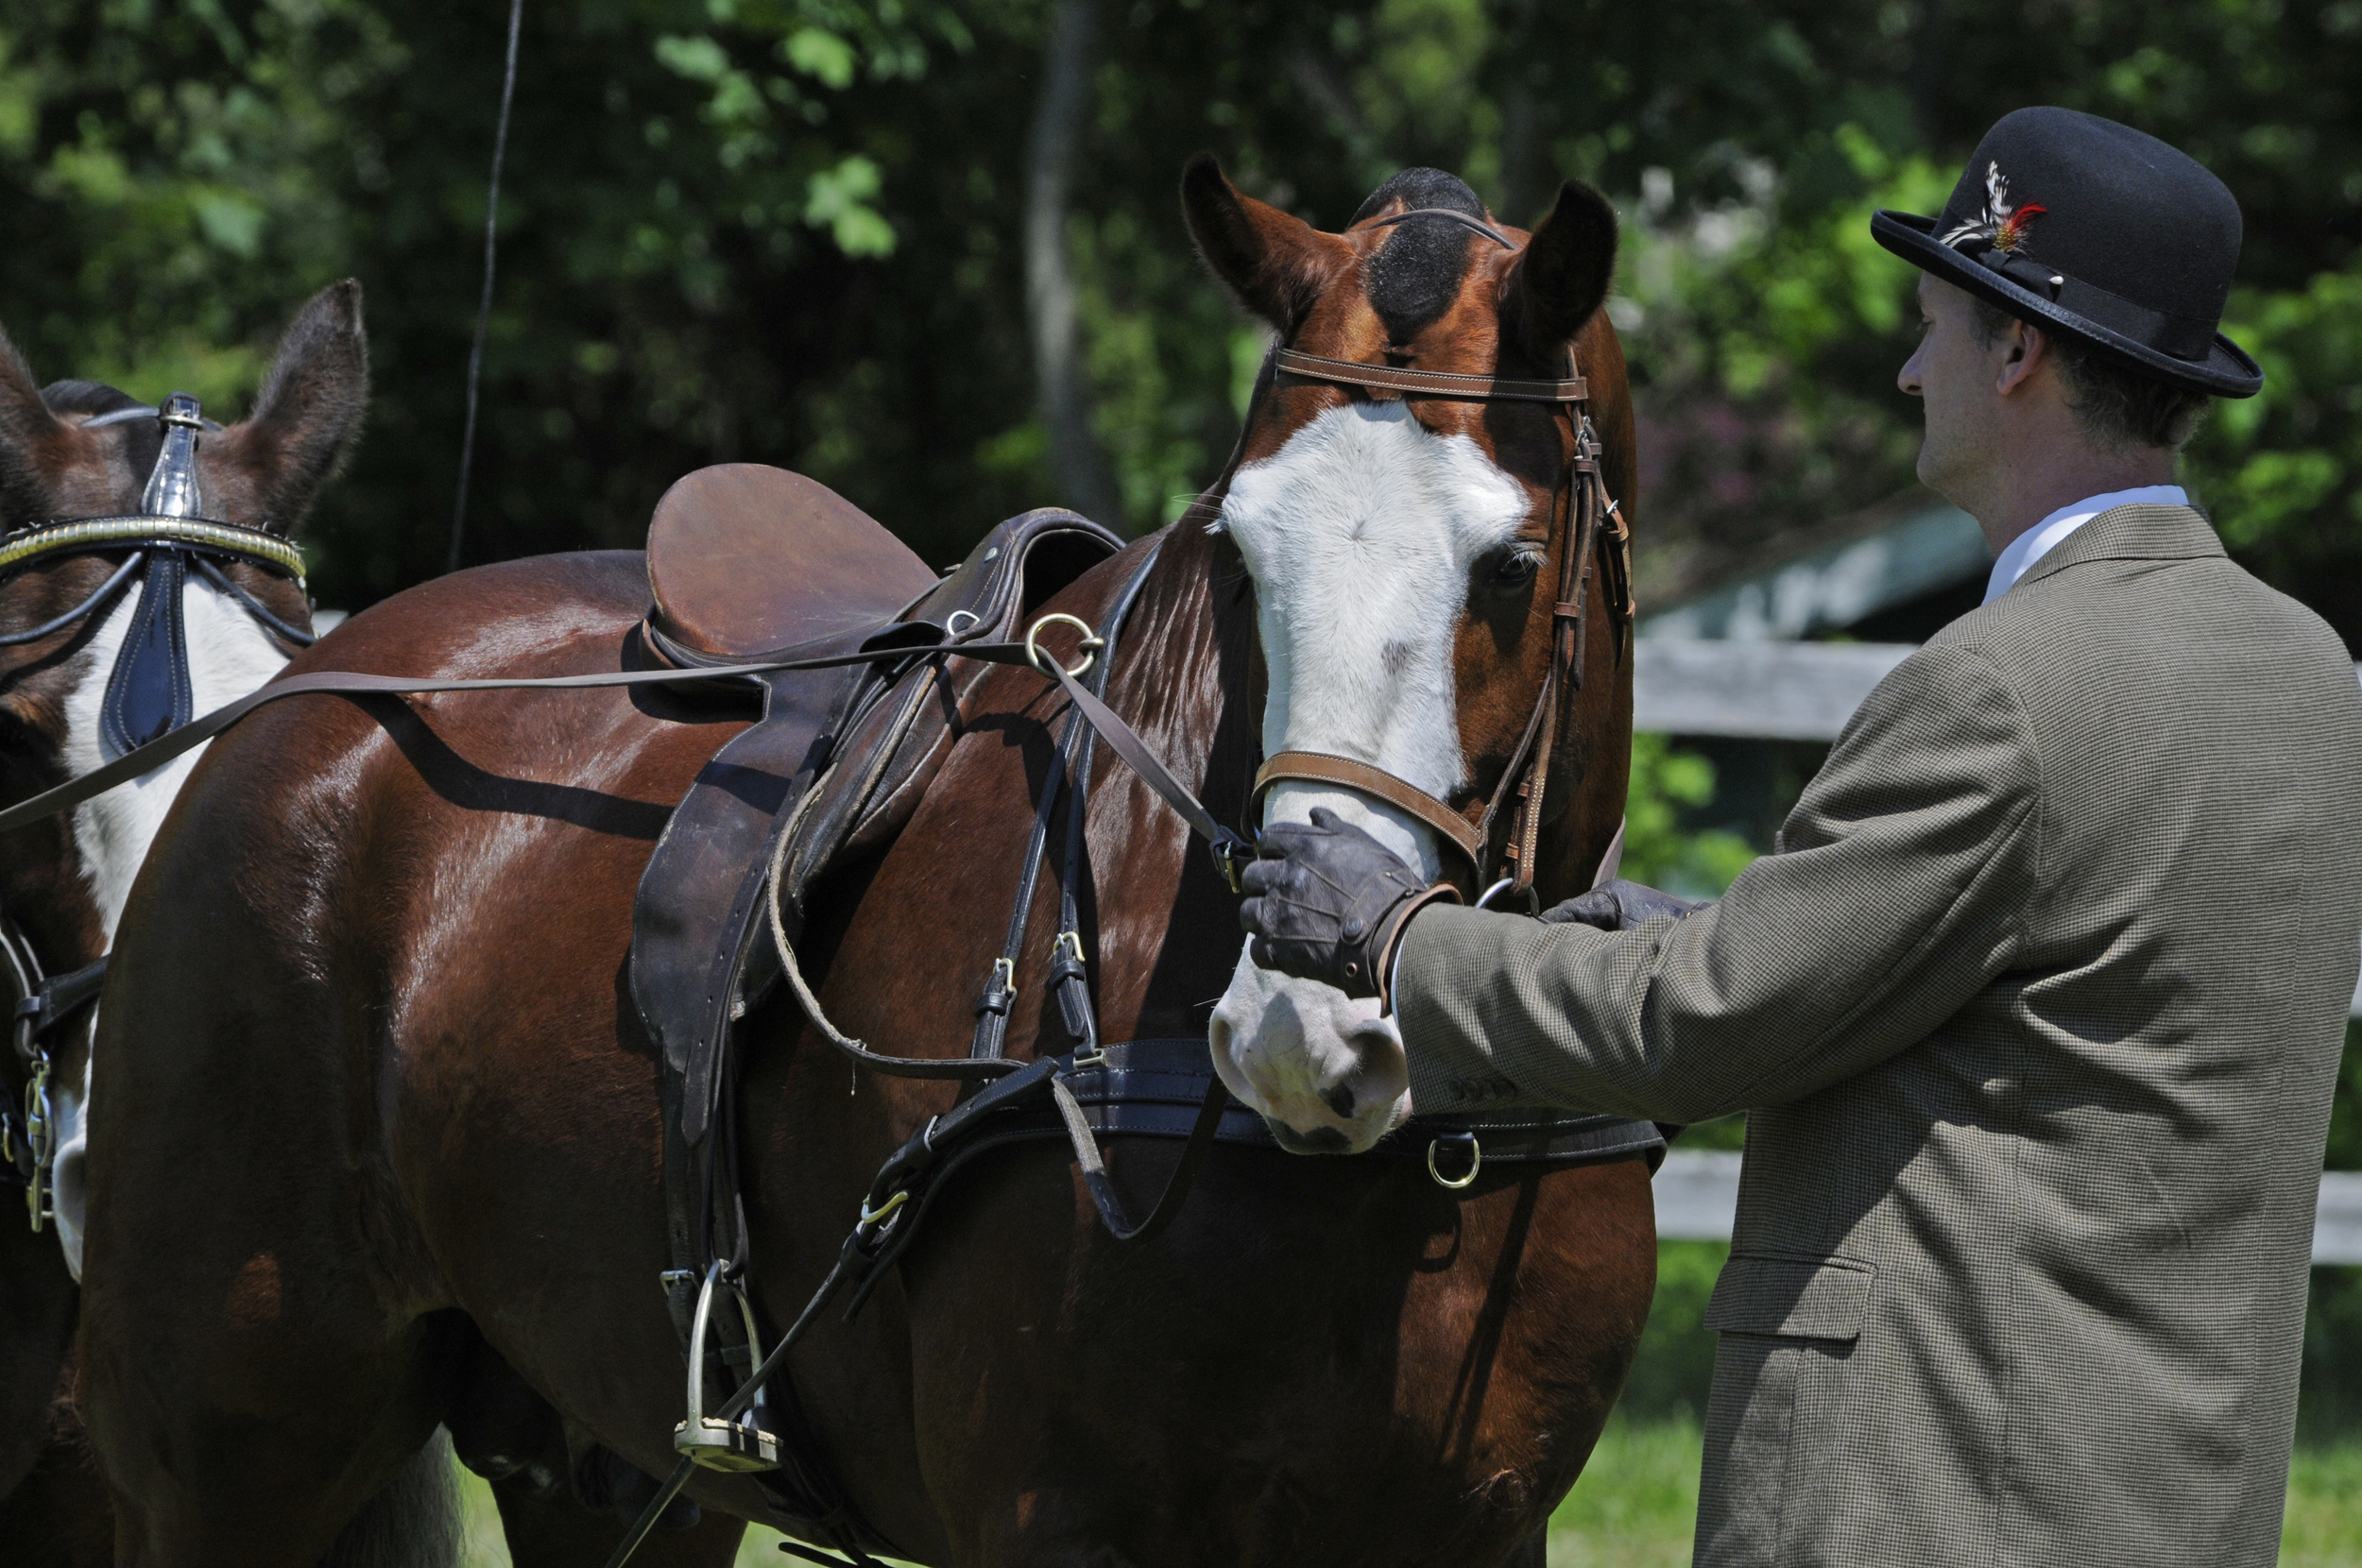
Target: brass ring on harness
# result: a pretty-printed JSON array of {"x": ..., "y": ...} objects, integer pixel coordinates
[
  {"x": 1476, "y": 1163},
  {"x": 1092, "y": 641}
]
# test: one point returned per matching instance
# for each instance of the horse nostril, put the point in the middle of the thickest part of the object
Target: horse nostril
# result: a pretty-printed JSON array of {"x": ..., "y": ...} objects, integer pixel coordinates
[
  {"x": 1320, "y": 1140},
  {"x": 1339, "y": 1097}
]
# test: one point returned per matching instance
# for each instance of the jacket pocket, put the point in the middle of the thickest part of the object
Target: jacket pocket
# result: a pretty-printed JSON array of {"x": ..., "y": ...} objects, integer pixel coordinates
[{"x": 1792, "y": 1298}]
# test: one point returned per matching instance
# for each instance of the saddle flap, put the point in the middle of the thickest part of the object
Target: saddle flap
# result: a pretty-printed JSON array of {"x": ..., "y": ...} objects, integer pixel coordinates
[
  {"x": 745, "y": 559},
  {"x": 894, "y": 746}
]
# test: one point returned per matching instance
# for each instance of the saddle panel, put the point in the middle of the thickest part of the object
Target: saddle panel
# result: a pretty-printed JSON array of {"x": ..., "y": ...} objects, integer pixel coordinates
[{"x": 745, "y": 560}]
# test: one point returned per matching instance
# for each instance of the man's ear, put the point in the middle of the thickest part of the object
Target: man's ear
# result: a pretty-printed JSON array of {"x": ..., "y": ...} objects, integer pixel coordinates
[
  {"x": 2030, "y": 349},
  {"x": 1277, "y": 264},
  {"x": 309, "y": 410}
]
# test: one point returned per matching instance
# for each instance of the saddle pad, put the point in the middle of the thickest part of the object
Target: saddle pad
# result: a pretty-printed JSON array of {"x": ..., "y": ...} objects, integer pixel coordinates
[{"x": 745, "y": 559}]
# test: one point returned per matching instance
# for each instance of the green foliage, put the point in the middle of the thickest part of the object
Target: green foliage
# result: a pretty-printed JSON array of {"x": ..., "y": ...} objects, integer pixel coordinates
[
  {"x": 2345, "y": 1119},
  {"x": 1673, "y": 1369},
  {"x": 1658, "y": 849},
  {"x": 788, "y": 230}
]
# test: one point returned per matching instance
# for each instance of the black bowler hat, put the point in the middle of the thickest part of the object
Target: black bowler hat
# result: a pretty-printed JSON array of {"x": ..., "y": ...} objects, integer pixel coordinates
[{"x": 2098, "y": 230}]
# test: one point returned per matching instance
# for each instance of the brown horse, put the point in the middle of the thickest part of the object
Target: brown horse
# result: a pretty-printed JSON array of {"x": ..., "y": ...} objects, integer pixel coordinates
[
  {"x": 380, "y": 1144},
  {"x": 64, "y": 882}
]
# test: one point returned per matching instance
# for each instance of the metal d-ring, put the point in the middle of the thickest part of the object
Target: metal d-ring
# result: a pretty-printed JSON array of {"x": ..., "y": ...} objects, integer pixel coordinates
[
  {"x": 1092, "y": 641},
  {"x": 952, "y": 622},
  {"x": 1533, "y": 900},
  {"x": 1476, "y": 1163}
]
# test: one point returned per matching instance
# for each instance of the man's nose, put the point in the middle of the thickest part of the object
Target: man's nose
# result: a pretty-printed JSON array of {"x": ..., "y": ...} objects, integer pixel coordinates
[{"x": 1908, "y": 378}]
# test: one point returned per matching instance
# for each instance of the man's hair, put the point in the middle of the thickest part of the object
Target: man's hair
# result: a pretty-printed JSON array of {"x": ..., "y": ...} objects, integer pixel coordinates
[{"x": 2115, "y": 405}]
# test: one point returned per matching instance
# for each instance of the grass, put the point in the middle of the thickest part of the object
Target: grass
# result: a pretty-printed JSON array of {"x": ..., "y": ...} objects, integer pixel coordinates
[
  {"x": 2324, "y": 1524},
  {"x": 1638, "y": 1500},
  {"x": 483, "y": 1547},
  {"x": 1635, "y": 1502}
]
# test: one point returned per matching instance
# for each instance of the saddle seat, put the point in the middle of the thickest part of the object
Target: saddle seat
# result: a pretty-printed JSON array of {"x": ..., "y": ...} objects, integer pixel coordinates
[{"x": 745, "y": 560}]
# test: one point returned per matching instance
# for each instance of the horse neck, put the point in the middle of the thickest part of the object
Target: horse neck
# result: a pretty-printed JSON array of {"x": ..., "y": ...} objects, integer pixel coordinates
[
  {"x": 1182, "y": 679},
  {"x": 229, "y": 655}
]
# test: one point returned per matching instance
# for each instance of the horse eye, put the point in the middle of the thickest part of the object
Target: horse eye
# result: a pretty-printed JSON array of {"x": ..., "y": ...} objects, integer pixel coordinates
[{"x": 1516, "y": 567}]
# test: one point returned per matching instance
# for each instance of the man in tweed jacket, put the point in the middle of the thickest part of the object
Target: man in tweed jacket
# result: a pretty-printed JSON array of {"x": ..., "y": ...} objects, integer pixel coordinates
[{"x": 2037, "y": 1009}]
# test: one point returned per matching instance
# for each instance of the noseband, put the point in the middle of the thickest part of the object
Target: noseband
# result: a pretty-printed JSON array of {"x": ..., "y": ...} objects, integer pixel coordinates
[
  {"x": 1592, "y": 522},
  {"x": 147, "y": 691}
]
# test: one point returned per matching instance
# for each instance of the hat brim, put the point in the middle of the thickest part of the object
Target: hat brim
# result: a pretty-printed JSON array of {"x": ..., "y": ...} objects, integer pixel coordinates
[{"x": 2226, "y": 371}]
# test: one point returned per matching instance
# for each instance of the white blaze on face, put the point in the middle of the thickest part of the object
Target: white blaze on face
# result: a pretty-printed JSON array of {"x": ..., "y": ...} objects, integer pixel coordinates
[
  {"x": 1362, "y": 534},
  {"x": 229, "y": 655}
]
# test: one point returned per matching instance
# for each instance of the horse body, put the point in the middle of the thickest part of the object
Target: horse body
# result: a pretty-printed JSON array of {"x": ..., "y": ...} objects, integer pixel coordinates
[{"x": 400, "y": 1162}]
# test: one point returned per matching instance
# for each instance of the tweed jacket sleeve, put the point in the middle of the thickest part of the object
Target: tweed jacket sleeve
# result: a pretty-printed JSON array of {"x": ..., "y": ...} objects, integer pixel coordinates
[{"x": 1894, "y": 898}]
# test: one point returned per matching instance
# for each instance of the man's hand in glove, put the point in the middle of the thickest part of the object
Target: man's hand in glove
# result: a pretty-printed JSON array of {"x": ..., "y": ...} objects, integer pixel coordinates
[
  {"x": 1327, "y": 902},
  {"x": 1618, "y": 906}
]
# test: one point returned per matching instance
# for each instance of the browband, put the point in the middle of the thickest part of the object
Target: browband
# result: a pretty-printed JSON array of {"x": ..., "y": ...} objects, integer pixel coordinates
[
  {"x": 135, "y": 530},
  {"x": 1390, "y": 382}
]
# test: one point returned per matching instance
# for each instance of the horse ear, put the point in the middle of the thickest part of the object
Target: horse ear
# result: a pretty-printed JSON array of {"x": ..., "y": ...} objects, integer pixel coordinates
[
  {"x": 1276, "y": 264},
  {"x": 309, "y": 409},
  {"x": 31, "y": 440},
  {"x": 1560, "y": 279}
]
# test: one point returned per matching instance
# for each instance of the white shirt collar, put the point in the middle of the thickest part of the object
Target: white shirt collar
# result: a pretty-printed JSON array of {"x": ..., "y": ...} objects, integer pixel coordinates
[{"x": 2020, "y": 554}]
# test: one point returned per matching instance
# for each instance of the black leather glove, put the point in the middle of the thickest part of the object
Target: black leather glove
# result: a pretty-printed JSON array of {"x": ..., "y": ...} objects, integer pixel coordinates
[
  {"x": 1618, "y": 906},
  {"x": 1325, "y": 902}
]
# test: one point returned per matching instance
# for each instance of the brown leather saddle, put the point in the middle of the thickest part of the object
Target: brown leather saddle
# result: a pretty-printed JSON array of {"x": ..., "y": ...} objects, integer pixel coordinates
[
  {"x": 751, "y": 564},
  {"x": 747, "y": 563}
]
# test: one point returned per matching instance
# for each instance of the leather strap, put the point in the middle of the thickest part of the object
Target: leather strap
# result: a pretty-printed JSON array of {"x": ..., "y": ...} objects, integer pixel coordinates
[
  {"x": 148, "y": 693},
  {"x": 1231, "y": 852},
  {"x": 154, "y": 754},
  {"x": 140, "y": 531},
  {"x": 1474, "y": 224},
  {"x": 1391, "y": 381},
  {"x": 1314, "y": 767}
]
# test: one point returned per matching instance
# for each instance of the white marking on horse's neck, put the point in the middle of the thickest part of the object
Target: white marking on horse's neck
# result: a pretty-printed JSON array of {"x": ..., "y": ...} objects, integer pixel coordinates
[
  {"x": 229, "y": 655},
  {"x": 1361, "y": 532}
]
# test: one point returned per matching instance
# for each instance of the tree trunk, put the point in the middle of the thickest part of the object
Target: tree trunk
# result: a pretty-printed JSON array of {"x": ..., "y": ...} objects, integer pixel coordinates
[{"x": 1062, "y": 388}]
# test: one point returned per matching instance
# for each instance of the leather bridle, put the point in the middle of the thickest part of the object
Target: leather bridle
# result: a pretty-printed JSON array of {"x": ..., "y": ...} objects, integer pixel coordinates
[
  {"x": 1585, "y": 518},
  {"x": 147, "y": 691}
]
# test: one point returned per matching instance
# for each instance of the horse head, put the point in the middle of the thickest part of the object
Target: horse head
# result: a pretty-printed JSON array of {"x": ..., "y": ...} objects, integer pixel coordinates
[
  {"x": 108, "y": 637},
  {"x": 80, "y": 449},
  {"x": 1406, "y": 555}
]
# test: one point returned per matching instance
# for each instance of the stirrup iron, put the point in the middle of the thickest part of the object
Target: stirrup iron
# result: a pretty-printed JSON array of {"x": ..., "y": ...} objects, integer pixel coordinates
[{"x": 717, "y": 1444}]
